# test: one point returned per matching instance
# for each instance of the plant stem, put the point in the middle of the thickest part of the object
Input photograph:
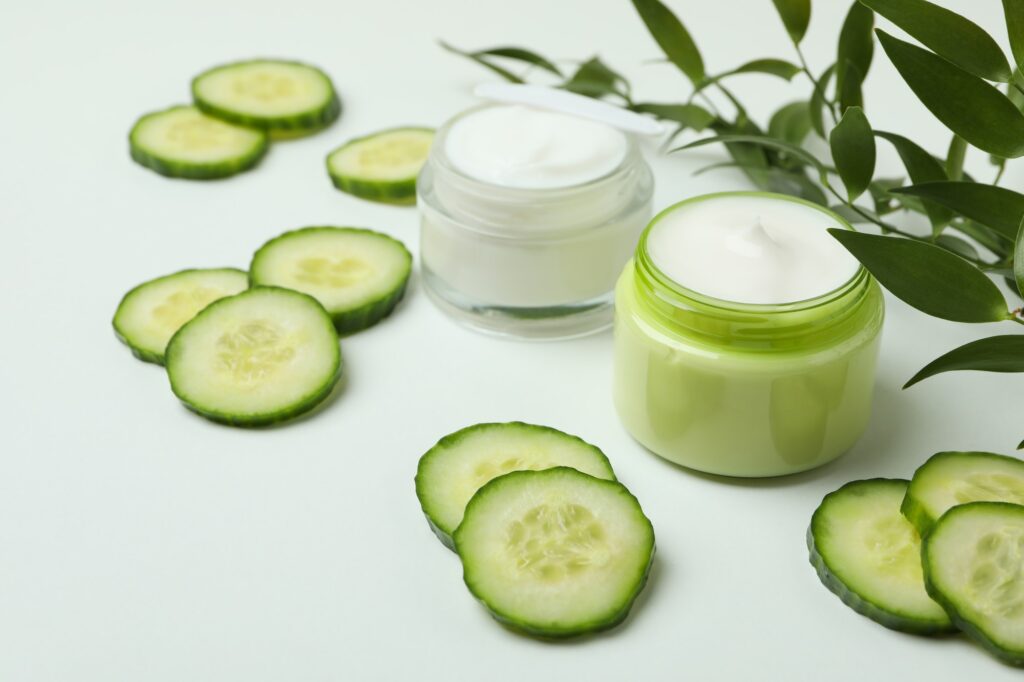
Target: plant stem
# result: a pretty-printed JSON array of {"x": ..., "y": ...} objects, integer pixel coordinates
[
  {"x": 815, "y": 83},
  {"x": 955, "y": 158},
  {"x": 999, "y": 173}
]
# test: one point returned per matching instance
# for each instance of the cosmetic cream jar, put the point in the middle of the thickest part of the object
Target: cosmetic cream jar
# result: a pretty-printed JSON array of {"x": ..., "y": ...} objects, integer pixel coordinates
[
  {"x": 744, "y": 389},
  {"x": 507, "y": 254}
]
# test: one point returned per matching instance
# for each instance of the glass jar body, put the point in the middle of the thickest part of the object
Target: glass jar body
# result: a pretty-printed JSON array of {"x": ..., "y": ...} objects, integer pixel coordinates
[
  {"x": 753, "y": 391},
  {"x": 529, "y": 262}
]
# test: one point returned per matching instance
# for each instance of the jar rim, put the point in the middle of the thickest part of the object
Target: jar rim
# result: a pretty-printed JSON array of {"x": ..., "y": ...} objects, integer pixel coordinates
[
  {"x": 438, "y": 155},
  {"x": 670, "y": 286}
]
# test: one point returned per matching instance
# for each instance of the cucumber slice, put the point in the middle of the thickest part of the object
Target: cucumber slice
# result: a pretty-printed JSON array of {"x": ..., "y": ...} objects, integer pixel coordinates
[
  {"x": 358, "y": 275},
  {"x": 255, "y": 358},
  {"x": 183, "y": 142},
  {"x": 869, "y": 555},
  {"x": 150, "y": 314},
  {"x": 451, "y": 471},
  {"x": 951, "y": 478},
  {"x": 974, "y": 566},
  {"x": 555, "y": 553},
  {"x": 382, "y": 166},
  {"x": 271, "y": 94}
]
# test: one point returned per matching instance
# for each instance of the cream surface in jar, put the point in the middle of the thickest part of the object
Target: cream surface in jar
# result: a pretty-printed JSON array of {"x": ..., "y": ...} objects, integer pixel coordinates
[
  {"x": 527, "y": 217},
  {"x": 745, "y": 336}
]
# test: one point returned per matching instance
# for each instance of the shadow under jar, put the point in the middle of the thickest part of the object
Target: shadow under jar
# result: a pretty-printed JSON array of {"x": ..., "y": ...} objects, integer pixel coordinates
[
  {"x": 529, "y": 262},
  {"x": 742, "y": 389}
]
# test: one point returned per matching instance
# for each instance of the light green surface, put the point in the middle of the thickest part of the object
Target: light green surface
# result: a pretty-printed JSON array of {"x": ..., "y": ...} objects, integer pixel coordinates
[{"x": 743, "y": 390}]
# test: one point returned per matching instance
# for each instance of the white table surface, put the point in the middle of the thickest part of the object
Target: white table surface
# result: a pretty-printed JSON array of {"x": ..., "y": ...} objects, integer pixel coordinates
[{"x": 141, "y": 542}]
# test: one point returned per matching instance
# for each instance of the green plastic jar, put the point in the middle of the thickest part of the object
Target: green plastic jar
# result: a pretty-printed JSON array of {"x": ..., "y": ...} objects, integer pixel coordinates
[{"x": 743, "y": 389}]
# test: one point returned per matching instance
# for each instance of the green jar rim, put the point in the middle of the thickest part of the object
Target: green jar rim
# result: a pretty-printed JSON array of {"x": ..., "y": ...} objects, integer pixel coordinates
[{"x": 807, "y": 322}]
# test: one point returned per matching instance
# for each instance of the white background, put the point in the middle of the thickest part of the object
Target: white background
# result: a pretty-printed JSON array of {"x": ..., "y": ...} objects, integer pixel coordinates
[{"x": 141, "y": 542}]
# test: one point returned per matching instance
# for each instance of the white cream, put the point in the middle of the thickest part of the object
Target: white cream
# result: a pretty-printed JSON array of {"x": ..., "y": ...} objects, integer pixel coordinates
[
  {"x": 751, "y": 249},
  {"x": 522, "y": 147}
]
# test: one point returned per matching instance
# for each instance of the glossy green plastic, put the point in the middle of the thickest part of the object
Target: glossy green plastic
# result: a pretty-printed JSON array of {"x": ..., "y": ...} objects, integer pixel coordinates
[{"x": 742, "y": 389}]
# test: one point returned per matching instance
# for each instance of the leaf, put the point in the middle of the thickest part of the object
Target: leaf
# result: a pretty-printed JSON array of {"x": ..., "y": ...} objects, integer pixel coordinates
[
  {"x": 885, "y": 202},
  {"x": 686, "y": 115},
  {"x": 750, "y": 158},
  {"x": 951, "y": 36},
  {"x": 672, "y": 37},
  {"x": 996, "y": 207},
  {"x": 772, "y": 67},
  {"x": 501, "y": 71},
  {"x": 1018, "y": 260},
  {"x": 818, "y": 103},
  {"x": 595, "y": 79},
  {"x": 522, "y": 55},
  {"x": 1013, "y": 10},
  {"x": 796, "y": 15},
  {"x": 986, "y": 236},
  {"x": 847, "y": 213},
  {"x": 922, "y": 167},
  {"x": 853, "y": 150},
  {"x": 791, "y": 123},
  {"x": 959, "y": 246},
  {"x": 993, "y": 354},
  {"x": 762, "y": 141},
  {"x": 856, "y": 48},
  {"x": 927, "y": 277},
  {"x": 967, "y": 105}
]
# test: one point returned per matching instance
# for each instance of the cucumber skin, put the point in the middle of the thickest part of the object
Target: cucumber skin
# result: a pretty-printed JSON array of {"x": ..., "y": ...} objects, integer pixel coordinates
[
  {"x": 283, "y": 127},
  {"x": 884, "y": 617},
  {"x": 576, "y": 631},
  {"x": 453, "y": 438},
  {"x": 1015, "y": 658},
  {"x": 366, "y": 315},
  {"x": 305, "y": 405},
  {"x": 189, "y": 171},
  {"x": 914, "y": 511},
  {"x": 398, "y": 193},
  {"x": 142, "y": 353}
]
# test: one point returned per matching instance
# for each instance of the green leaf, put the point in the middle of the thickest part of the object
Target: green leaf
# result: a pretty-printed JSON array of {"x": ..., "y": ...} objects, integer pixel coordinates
[
  {"x": 967, "y": 105},
  {"x": 1013, "y": 10},
  {"x": 817, "y": 104},
  {"x": 959, "y": 246},
  {"x": 882, "y": 197},
  {"x": 853, "y": 150},
  {"x": 672, "y": 37},
  {"x": 772, "y": 67},
  {"x": 796, "y": 15},
  {"x": 922, "y": 167},
  {"x": 1018, "y": 259},
  {"x": 686, "y": 115},
  {"x": 994, "y": 354},
  {"x": 762, "y": 141},
  {"x": 595, "y": 79},
  {"x": 996, "y": 207},
  {"x": 950, "y": 35},
  {"x": 791, "y": 123},
  {"x": 856, "y": 48},
  {"x": 986, "y": 236},
  {"x": 501, "y": 71},
  {"x": 522, "y": 55},
  {"x": 927, "y": 277}
]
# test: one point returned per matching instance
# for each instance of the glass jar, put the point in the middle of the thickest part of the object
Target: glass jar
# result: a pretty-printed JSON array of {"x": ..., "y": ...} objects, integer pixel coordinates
[
  {"x": 744, "y": 389},
  {"x": 538, "y": 263}
]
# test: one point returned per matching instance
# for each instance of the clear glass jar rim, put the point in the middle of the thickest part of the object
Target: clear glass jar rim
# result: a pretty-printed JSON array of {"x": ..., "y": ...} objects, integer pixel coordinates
[{"x": 439, "y": 157}]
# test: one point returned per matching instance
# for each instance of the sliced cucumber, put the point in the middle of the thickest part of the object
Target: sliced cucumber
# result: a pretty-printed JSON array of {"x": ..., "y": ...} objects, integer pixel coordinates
[
  {"x": 869, "y": 555},
  {"x": 358, "y": 275},
  {"x": 382, "y": 166},
  {"x": 974, "y": 566},
  {"x": 951, "y": 478},
  {"x": 150, "y": 314},
  {"x": 255, "y": 358},
  {"x": 272, "y": 94},
  {"x": 451, "y": 471},
  {"x": 183, "y": 142},
  {"x": 555, "y": 553}
]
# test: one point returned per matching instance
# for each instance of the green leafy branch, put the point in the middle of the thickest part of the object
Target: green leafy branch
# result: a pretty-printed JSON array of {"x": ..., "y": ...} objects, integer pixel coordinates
[{"x": 957, "y": 71}]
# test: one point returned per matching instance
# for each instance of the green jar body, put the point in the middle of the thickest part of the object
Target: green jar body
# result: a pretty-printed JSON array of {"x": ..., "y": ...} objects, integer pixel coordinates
[{"x": 745, "y": 393}]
